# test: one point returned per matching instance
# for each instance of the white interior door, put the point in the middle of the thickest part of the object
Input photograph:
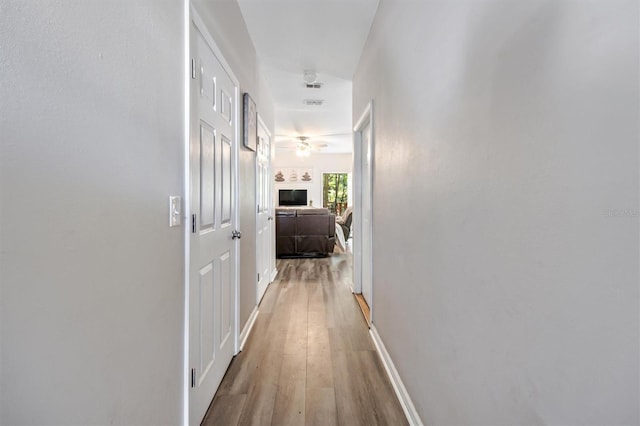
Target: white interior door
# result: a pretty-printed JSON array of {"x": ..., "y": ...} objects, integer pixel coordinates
[
  {"x": 264, "y": 217},
  {"x": 272, "y": 223},
  {"x": 363, "y": 207},
  {"x": 212, "y": 261}
]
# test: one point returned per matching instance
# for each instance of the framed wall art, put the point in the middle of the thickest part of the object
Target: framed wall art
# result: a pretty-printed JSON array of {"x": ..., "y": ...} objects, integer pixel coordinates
[
  {"x": 250, "y": 123},
  {"x": 293, "y": 175}
]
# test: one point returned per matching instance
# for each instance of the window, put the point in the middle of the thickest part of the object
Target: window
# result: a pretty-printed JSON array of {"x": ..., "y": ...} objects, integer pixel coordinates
[{"x": 335, "y": 192}]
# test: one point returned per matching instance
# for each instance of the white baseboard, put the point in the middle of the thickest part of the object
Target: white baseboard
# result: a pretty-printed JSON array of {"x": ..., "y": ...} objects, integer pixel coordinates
[
  {"x": 273, "y": 275},
  {"x": 247, "y": 328},
  {"x": 405, "y": 400}
]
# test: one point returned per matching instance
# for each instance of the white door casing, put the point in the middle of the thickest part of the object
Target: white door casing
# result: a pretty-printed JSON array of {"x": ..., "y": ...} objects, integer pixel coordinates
[
  {"x": 363, "y": 206},
  {"x": 212, "y": 261},
  {"x": 366, "y": 209},
  {"x": 264, "y": 219},
  {"x": 272, "y": 223}
]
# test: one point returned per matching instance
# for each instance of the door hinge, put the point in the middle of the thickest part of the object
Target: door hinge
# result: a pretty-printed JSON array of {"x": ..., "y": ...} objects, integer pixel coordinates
[
  {"x": 193, "y": 69},
  {"x": 258, "y": 277},
  {"x": 193, "y": 377},
  {"x": 193, "y": 223}
]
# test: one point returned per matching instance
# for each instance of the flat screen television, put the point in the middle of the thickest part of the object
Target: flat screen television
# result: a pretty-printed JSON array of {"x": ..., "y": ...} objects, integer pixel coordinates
[{"x": 292, "y": 197}]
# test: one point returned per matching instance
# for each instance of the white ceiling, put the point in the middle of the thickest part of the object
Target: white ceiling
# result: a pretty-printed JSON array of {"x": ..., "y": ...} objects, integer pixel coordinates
[{"x": 326, "y": 36}]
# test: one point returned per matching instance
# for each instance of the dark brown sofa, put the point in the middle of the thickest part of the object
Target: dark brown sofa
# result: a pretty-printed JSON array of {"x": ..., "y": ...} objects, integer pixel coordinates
[{"x": 304, "y": 232}]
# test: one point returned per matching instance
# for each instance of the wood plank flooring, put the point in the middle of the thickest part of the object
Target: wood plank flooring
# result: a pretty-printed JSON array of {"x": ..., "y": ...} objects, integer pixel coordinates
[{"x": 309, "y": 359}]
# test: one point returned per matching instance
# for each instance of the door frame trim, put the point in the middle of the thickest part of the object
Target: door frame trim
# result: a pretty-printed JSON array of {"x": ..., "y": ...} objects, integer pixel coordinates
[
  {"x": 366, "y": 118},
  {"x": 186, "y": 202},
  {"x": 193, "y": 17}
]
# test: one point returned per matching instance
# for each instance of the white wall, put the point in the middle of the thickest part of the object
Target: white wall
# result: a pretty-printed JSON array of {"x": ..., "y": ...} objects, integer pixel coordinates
[
  {"x": 506, "y": 207},
  {"x": 226, "y": 25},
  {"x": 91, "y": 125},
  {"x": 320, "y": 163}
]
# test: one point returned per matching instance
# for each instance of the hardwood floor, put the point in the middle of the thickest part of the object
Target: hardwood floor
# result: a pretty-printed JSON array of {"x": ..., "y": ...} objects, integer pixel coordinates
[{"x": 309, "y": 359}]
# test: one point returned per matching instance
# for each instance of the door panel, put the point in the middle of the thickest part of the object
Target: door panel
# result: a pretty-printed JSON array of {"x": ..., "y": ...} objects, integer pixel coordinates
[
  {"x": 225, "y": 105},
  {"x": 226, "y": 319},
  {"x": 226, "y": 181},
  {"x": 208, "y": 86},
  {"x": 212, "y": 261},
  {"x": 207, "y": 180},
  {"x": 206, "y": 320}
]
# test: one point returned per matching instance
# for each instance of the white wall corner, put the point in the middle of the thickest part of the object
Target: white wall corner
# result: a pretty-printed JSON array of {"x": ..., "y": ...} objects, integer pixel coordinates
[
  {"x": 244, "y": 335},
  {"x": 405, "y": 400}
]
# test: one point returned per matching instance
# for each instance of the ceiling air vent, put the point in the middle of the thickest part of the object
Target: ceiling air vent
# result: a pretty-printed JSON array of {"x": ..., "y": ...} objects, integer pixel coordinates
[
  {"x": 313, "y": 102},
  {"x": 313, "y": 85}
]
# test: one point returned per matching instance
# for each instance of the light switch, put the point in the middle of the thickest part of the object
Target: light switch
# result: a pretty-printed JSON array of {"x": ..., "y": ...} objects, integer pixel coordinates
[{"x": 175, "y": 211}]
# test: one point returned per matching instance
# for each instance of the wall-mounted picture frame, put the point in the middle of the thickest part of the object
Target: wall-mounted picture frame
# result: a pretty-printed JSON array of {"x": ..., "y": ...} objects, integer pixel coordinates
[{"x": 250, "y": 123}]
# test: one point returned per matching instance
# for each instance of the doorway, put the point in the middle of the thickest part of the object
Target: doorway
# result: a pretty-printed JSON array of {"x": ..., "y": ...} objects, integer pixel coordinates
[
  {"x": 363, "y": 211},
  {"x": 211, "y": 288}
]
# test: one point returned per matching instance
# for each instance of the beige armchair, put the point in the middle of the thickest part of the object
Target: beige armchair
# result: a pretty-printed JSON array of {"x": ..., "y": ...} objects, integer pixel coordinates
[{"x": 345, "y": 222}]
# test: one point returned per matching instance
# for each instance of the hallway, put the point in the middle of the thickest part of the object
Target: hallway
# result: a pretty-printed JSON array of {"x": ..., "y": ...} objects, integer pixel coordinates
[
  {"x": 309, "y": 358},
  {"x": 505, "y": 204}
]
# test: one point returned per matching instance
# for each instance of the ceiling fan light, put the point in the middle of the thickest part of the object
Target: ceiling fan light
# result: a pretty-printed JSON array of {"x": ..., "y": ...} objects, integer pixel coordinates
[
  {"x": 304, "y": 148},
  {"x": 303, "y": 152}
]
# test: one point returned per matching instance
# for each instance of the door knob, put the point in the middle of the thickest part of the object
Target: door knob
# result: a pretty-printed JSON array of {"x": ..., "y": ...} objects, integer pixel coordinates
[
  {"x": 270, "y": 218},
  {"x": 236, "y": 234}
]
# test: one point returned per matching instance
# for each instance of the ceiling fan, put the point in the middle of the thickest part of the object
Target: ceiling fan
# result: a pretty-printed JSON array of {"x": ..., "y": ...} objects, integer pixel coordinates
[
  {"x": 305, "y": 145},
  {"x": 301, "y": 145}
]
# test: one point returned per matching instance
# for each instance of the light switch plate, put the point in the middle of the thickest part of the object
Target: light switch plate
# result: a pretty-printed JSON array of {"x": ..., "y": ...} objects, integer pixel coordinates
[{"x": 175, "y": 211}]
